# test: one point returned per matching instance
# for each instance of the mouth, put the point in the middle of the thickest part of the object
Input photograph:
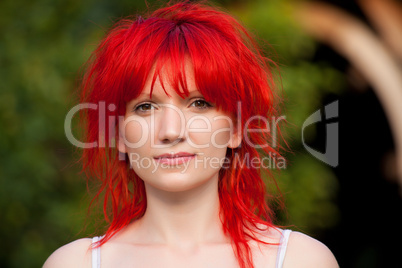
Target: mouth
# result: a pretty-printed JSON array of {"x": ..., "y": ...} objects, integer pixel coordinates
[{"x": 174, "y": 159}]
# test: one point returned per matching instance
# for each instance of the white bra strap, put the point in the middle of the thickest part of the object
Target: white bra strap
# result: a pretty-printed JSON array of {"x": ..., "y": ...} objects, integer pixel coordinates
[
  {"x": 95, "y": 253},
  {"x": 283, "y": 243}
]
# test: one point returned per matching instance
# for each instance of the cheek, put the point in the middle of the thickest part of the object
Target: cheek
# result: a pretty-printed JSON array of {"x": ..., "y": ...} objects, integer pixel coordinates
[
  {"x": 136, "y": 131},
  {"x": 207, "y": 131},
  {"x": 221, "y": 135},
  {"x": 199, "y": 130}
]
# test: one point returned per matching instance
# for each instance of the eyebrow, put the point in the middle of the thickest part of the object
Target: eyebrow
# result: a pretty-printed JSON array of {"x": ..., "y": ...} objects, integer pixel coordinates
[{"x": 191, "y": 93}]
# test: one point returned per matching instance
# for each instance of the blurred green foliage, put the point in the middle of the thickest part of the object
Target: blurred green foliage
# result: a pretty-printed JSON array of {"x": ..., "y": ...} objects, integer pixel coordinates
[
  {"x": 308, "y": 186},
  {"x": 43, "y": 44}
]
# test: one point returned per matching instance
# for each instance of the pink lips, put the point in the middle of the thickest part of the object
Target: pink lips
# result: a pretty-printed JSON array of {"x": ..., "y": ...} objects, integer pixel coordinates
[{"x": 174, "y": 159}]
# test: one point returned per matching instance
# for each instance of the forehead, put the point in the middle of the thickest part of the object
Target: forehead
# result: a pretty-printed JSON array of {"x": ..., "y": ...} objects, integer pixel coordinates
[{"x": 168, "y": 79}]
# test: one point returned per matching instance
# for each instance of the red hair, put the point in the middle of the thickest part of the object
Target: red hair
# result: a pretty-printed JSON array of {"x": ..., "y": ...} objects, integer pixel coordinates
[{"x": 228, "y": 68}]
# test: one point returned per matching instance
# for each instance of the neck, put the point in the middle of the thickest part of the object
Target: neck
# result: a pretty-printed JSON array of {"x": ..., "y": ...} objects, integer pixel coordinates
[{"x": 183, "y": 218}]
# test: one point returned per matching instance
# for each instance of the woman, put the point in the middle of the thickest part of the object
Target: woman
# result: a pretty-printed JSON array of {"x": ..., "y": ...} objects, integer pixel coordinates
[{"x": 186, "y": 95}]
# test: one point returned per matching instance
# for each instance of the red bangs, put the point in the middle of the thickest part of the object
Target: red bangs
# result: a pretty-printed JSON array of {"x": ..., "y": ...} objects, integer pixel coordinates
[{"x": 227, "y": 65}]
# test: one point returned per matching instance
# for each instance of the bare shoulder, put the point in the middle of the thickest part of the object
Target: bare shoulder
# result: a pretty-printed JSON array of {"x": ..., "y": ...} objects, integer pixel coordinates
[
  {"x": 305, "y": 251},
  {"x": 75, "y": 254}
]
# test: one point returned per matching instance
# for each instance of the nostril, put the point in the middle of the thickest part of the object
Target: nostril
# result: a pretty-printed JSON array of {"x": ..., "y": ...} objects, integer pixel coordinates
[{"x": 172, "y": 141}]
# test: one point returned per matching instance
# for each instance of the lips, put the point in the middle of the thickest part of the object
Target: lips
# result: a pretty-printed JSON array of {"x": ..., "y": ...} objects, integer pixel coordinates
[{"x": 175, "y": 158}]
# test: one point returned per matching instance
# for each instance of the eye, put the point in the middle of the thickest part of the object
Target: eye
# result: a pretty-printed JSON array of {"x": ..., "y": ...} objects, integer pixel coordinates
[
  {"x": 144, "y": 107},
  {"x": 200, "y": 104}
]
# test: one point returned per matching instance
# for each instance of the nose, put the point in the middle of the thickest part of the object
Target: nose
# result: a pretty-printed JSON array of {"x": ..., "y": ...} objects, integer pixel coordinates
[{"x": 171, "y": 125}]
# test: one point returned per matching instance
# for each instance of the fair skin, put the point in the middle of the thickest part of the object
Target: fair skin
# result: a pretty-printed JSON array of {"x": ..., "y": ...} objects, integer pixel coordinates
[{"x": 181, "y": 226}]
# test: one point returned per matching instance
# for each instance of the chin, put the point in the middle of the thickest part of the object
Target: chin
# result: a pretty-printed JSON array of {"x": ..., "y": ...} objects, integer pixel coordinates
[{"x": 176, "y": 182}]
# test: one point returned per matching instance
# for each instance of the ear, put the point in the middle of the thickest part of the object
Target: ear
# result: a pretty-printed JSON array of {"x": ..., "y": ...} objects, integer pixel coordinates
[{"x": 235, "y": 137}]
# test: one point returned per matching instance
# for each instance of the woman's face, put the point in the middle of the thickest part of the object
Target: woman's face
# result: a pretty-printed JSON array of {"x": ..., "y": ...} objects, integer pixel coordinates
[{"x": 174, "y": 143}]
